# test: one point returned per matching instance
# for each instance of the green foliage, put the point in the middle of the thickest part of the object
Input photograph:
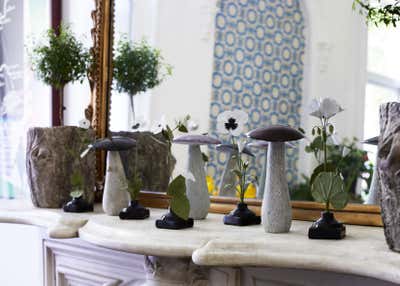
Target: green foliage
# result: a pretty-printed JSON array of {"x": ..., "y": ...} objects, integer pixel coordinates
[
  {"x": 301, "y": 191},
  {"x": 62, "y": 59},
  {"x": 179, "y": 202},
  {"x": 242, "y": 178},
  {"x": 77, "y": 184},
  {"x": 328, "y": 188},
  {"x": 134, "y": 186},
  {"x": 138, "y": 67},
  {"x": 180, "y": 125},
  {"x": 379, "y": 13}
]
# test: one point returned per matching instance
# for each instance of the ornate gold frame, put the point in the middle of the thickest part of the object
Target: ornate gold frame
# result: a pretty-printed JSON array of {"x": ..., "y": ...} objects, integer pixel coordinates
[
  {"x": 102, "y": 50},
  {"x": 101, "y": 75}
]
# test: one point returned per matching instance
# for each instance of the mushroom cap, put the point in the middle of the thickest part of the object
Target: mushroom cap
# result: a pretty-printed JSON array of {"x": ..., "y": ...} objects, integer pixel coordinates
[
  {"x": 115, "y": 143},
  {"x": 372, "y": 141},
  {"x": 259, "y": 144},
  {"x": 196, "y": 139},
  {"x": 232, "y": 148},
  {"x": 276, "y": 133}
]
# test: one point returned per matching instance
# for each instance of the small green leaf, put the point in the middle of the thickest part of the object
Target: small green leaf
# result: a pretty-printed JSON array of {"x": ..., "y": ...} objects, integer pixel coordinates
[
  {"x": 134, "y": 186},
  {"x": 182, "y": 128},
  {"x": 76, "y": 194},
  {"x": 331, "y": 129},
  {"x": 301, "y": 130},
  {"x": 205, "y": 157},
  {"x": 179, "y": 202}
]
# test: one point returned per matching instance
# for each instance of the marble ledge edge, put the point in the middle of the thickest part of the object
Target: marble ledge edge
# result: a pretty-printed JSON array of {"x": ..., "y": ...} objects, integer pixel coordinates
[
  {"x": 208, "y": 255},
  {"x": 57, "y": 225}
]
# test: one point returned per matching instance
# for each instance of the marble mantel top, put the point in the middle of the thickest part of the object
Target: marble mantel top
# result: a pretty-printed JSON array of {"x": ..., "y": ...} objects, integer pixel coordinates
[{"x": 363, "y": 252}]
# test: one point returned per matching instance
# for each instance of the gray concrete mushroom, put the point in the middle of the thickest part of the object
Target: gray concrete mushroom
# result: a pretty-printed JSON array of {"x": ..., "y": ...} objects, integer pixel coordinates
[
  {"x": 197, "y": 191},
  {"x": 228, "y": 178},
  {"x": 263, "y": 145},
  {"x": 276, "y": 212},
  {"x": 115, "y": 195},
  {"x": 374, "y": 194}
]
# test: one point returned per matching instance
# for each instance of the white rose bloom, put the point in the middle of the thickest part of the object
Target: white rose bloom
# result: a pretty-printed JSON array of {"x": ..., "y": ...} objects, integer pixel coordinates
[
  {"x": 232, "y": 122},
  {"x": 326, "y": 107},
  {"x": 84, "y": 123}
]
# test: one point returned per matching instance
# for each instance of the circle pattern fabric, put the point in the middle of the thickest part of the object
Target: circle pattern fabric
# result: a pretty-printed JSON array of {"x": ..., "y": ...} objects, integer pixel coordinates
[{"x": 258, "y": 67}]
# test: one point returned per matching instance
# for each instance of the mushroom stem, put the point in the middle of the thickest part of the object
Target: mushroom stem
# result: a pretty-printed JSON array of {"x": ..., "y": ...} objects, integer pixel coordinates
[
  {"x": 227, "y": 184},
  {"x": 197, "y": 191},
  {"x": 261, "y": 182},
  {"x": 115, "y": 196},
  {"x": 374, "y": 194},
  {"x": 276, "y": 210}
]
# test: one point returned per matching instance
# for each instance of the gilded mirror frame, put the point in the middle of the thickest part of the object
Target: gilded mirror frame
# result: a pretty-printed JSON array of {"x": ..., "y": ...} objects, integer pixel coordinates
[
  {"x": 100, "y": 79},
  {"x": 301, "y": 210}
]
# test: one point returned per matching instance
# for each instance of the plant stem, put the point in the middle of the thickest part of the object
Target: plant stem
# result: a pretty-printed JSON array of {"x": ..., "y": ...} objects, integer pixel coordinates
[
  {"x": 61, "y": 108},
  {"x": 131, "y": 101}
]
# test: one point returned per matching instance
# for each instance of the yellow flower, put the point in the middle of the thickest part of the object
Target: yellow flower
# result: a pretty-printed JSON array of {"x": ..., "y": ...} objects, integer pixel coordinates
[
  {"x": 251, "y": 191},
  {"x": 211, "y": 186}
]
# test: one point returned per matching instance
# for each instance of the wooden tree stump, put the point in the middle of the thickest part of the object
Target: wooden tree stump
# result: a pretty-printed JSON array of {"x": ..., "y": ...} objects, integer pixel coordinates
[
  {"x": 155, "y": 163},
  {"x": 52, "y": 158},
  {"x": 389, "y": 171}
]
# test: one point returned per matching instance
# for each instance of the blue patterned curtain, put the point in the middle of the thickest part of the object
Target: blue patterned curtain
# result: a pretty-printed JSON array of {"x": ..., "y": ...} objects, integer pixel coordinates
[{"x": 258, "y": 67}]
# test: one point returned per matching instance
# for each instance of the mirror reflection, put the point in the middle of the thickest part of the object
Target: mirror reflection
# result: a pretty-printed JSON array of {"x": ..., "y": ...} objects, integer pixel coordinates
[{"x": 269, "y": 59}]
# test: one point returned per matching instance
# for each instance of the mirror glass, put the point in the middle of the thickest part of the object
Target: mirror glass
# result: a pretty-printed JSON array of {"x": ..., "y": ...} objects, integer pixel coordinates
[{"x": 269, "y": 59}]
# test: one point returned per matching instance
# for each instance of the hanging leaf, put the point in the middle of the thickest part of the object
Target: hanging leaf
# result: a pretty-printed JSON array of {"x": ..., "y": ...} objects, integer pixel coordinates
[
  {"x": 330, "y": 167},
  {"x": 237, "y": 173},
  {"x": 179, "y": 202},
  {"x": 205, "y": 157},
  {"x": 329, "y": 187}
]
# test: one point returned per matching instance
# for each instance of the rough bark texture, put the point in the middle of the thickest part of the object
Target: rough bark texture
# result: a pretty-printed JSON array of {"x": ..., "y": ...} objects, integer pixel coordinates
[
  {"x": 52, "y": 158},
  {"x": 155, "y": 163},
  {"x": 389, "y": 172}
]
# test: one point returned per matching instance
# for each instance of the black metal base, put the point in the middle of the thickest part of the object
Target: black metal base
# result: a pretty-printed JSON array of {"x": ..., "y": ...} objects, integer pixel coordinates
[
  {"x": 327, "y": 227},
  {"x": 134, "y": 211},
  {"x": 78, "y": 205},
  {"x": 242, "y": 216},
  {"x": 172, "y": 221}
]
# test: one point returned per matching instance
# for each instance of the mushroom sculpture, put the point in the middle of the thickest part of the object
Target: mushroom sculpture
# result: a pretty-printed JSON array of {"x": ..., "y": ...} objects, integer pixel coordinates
[
  {"x": 374, "y": 194},
  {"x": 197, "y": 191},
  {"x": 276, "y": 213},
  {"x": 228, "y": 177},
  {"x": 115, "y": 196}
]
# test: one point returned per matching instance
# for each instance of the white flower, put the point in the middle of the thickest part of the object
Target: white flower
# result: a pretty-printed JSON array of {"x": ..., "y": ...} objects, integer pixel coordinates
[
  {"x": 232, "y": 122},
  {"x": 192, "y": 125},
  {"x": 159, "y": 126},
  {"x": 84, "y": 123},
  {"x": 324, "y": 108}
]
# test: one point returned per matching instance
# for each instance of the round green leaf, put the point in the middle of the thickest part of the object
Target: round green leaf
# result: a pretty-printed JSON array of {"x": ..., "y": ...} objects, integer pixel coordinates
[
  {"x": 179, "y": 204},
  {"x": 329, "y": 187}
]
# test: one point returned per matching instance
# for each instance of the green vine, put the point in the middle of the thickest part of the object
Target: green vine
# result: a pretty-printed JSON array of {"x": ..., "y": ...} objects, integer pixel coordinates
[{"x": 387, "y": 14}]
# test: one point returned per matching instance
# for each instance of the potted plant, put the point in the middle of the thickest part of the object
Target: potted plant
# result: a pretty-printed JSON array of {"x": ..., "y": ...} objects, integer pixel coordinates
[
  {"x": 231, "y": 123},
  {"x": 58, "y": 60},
  {"x": 327, "y": 184},
  {"x": 137, "y": 68}
]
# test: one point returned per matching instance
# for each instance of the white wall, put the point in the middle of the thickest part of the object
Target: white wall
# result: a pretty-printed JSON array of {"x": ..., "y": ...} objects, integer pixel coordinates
[
  {"x": 335, "y": 65},
  {"x": 77, "y": 13}
]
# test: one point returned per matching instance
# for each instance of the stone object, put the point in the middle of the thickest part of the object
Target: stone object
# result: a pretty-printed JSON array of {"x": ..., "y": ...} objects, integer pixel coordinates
[
  {"x": 115, "y": 195},
  {"x": 389, "y": 167},
  {"x": 276, "y": 211},
  {"x": 153, "y": 160},
  {"x": 196, "y": 190},
  {"x": 52, "y": 157},
  {"x": 374, "y": 193}
]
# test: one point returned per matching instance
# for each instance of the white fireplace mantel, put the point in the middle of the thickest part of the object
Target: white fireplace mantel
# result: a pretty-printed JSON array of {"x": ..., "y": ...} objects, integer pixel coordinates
[{"x": 211, "y": 243}]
